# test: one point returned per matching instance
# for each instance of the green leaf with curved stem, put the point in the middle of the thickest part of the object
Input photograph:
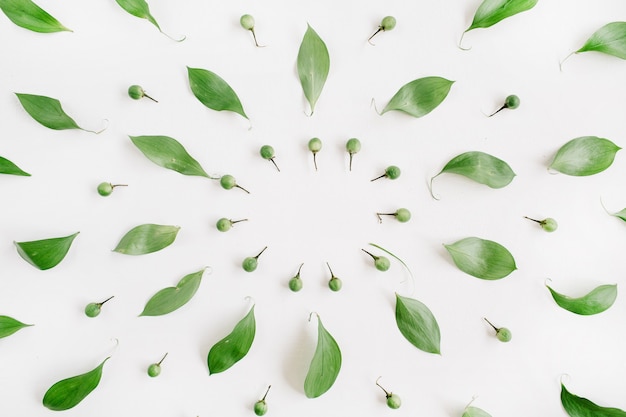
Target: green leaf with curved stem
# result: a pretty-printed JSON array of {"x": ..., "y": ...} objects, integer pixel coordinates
[
  {"x": 233, "y": 347},
  {"x": 475, "y": 412},
  {"x": 140, "y": 9},
  {"x": 419, "y": 97},
  {"x": 26, "y": 14},
  {"x": 576, "y": 406},
  {"x": 620, "y": 214},
  {"x": 610, "y": 39},
  {"x": 69, "y": 392},
  {"x": 147, "y": 238},
  {"x": 598, "y": 300},
  {"x": 172, "y": 298},
  {"x": 46, "y": 253},
  {"x": 213, "y": 91},
  {"x": 8, "y": 326},
  {"x": 168, "y": 153},
  {"x": 482, "y": 258},
  {"x": 313, "y": 66},
  {"x": 417, "y": 324},
  {"x": 586, "y": 155},
  {"x": 8, "y": 167},
  {"x": 48, "y": 112},
  {"x": 325, "y": 365},
  {"x": 491, "y": 12}
]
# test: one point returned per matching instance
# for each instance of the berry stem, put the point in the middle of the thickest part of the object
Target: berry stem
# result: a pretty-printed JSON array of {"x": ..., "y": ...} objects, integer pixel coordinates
[
  {"x": 387, "y": 394},
  {"x": 374, "y": 34},
  {"x": 256, "y": 257},
  {"x": 499, "y": 110},
  {"x": 268, "y": 390},
  {"x": 380, "y": 219},
  {"x": 299, "y": 269},
  {"x": 494, "y": 327},
  {"x": 119, "y": 185},
  {"x": 145, "y": 95},
  {"x": 241, "y": 188},
  {"x": 537, "y": 221},
  {"x": 274, "y": 162},
  {"x": 255, "y": 41},
  {"x": 373, "y": 257},
  {"x": 100, "y": 304},
  {"x": 315, "y": 160},
  {"x": 162, "y": 359},
  {"x": 238, "y": 221},
  {"x": 377, "y": 178},
  {"x": 351, "y": 153},
  {"x": 331, "y": 271}
]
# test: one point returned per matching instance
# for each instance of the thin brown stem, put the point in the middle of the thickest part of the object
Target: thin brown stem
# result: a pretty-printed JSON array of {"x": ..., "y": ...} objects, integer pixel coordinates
[
  {"x": 537, "y": 221},
  {"x": 494, "y": 327},
  {"x": 387, "y": 394},
  {"x": 274, "y": 162},
  {"x": 162, "y": 359},
  {"x": 380, "y": 28},
  {"x": 377, "y": 178},
  {"x": 315, "y": 160},
  {"x": 351, "y": 153},
  {"x": 331, "y": 271},
  {"x": 256, "y": 257},
  {"x": 268, "y": 390},
  {"x": 498, "y": 111},
  {"x": 255, "y": 41},
  {"x": 145, "y": 95},
  {"x": 373, "y": 257},
  {"x": 119, "y": 185},
  {"x": 238, "y": 221},
  {"x": 100, "y": 304},
  {"x": 241, "y": 188},
  {"x": 299, "y": 269}
]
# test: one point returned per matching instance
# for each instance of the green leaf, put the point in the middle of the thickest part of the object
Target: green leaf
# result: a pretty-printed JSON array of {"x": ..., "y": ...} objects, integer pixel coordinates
[
  {"x": 140, "y": 9},
  {"x": 475, "y": 412},
  {"x": 9, "y": 325},
  {"x": 609, "y": 39},
  {"x": 597, "y": 301},
  {"x": 46, "y": 253},
  {"x": 8, "y": 167},
  {"x": 168, "y": 153},
  {"x": 69, "y": 392},
  {"x": 620, "y": 214},
  {"x": 313, "y": 66},
  {"x": 213, "y": 91},
  {"x": 173, "y": 298},
  {"x": 586, "y": 155},
  {"x": 417, "y": 324},
  {"x": 146, "y": 238},
  {"x": 233, "y": 347},
  {"x": 577, "y": 406},
  {"x": 420, "y": 97},
  {"x": 491, "y": 12},
  {"x": 26, "y": 14},
  {"x": 325, "y": 365},
  {"x": 48, "y": 112},
  {"x": 482, "y": 258}
]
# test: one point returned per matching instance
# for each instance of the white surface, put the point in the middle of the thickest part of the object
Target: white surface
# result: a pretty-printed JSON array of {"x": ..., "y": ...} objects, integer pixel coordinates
[{"x": 307, "y": 216}]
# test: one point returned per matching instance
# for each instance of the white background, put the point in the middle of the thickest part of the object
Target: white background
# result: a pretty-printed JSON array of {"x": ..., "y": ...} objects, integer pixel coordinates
[{"x": 311, "y": 217}]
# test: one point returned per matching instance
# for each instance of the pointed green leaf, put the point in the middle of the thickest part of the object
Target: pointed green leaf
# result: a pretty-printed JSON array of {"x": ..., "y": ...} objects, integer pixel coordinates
[
  {"x": 48, "y": 112},
  {"x": 480, "y": 167},
  {"x": 173, "y": 298},
  {"x": 8, "y": 326},
  {"x": 8, "y": 167},
  {"x": 417, "y": 324},
  {"x": 233, "y": 347},
  {"x": 67, "y": 393},
  {"x": 596, "y": 301},
  {"x": 475, "y": 412},
  {"x": 313, "y": 66},
  {"x": 577, "y": 406},
  {"x": 325, "y": 365},
  {"x": 586, "y": 155},
  {"x": 146, "y": 238},
  {"x": 420, "y": 97},
  {"x": 609, "y": 39},
  {"x": 140, "y": 9},
  {"x": 491, "y": 12},
  {"x": 26, "y": 14},
  {"x": 482, "y": 258},
  {"x": 213, "y": 91},
  {"x": 168, "y": 153},
  {"x": 46, "y": 253},
  {"x": 620, "y": 214}
]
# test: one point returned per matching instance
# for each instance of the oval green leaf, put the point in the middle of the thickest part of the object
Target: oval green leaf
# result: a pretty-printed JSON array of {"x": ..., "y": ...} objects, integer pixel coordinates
[
  {"x": 213, "y": 91},
  {"x": 417, "y": 324},
  {"x": 609, "y": 39},
  {"x": 313, "y": 66},
  {"x": 598, "y": 300},
  {"x": 138, "y": 8},
  {"x": 8, "y": 167},
  {"x": 233, "y": 347},
  {"x": 69, "y": 392},
  {"x": 147, "y": 238},
  {"x": 482, "y": 258},
  {"x": 172, "y": 298},
  {"x": 420, "y": 97},
  {"x": 8, "y": 326},
  {"x": 491, "y": 12},
  {"x": 26, "y": 14},
  {"x": 576, "y": 406},
  {"x": 586, "y": 155},
  {"x": 48, "y": 112},
  {"x": 475, "y": 412},
  {"x": 168, "y": 153},
  {"x": 46, "y": 253},
  {"x": 325, "y": 365}
]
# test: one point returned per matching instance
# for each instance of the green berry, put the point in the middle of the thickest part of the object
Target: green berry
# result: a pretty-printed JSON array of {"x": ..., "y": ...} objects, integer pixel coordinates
[
  {"x": 335, "y": 283},
  {"x": 388, "y": 23},
  {"x": 224, "y": 224},
  {"x": 106, "y": 188},
  {"x": 267, "y": 152},
  {"x": 353, "y": 146},
  {"x": 512, "y": 102},
  {"x": 502, "y": 333},
  {"x": 315, "y": 145},
  {"x": 154, "y": 369},
  {"x": 393, "y": 400},
  {"x": 93, "y": 309},
  {"x": 228, "y": 182},
  {"x": 402, "y": 215},
  {"x": 392, "y": 172},
  {"x": 247, "y": 22},
  {"x": 136, "y": 92},
  {"x": 548, "y": 224},
  {"x": 250, "y": 263},
  {"x": 380, "y": 262},
  {"x": 260, "y": 407},
  {"x": 295, "y": 283}
]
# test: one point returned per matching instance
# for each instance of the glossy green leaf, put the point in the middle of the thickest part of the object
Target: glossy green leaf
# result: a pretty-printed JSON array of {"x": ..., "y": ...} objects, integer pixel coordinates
[
  {"x": 213, "y": 91},
  {"x": 173, "y": 298},
  {"x": 45, "y": 253},
  {"x": 609, "y": 39},
  {"x": 475, "y": 412},
  {"x": 420, "y": 97},
  {"x": 417, "y": 324},
  {"x": 8, "y": 167},
  {"x": 576, "y": 406},
  {"x": 140, "y": 9},
  {"x": 596, "y": 301},
  {"x": 67, "y": 393},
  {"x": 313, "y": 66},
  {"x": 491, "y": 12},
  {"x": 48, "y": 112},
  {"x": 325, "y": 365},
  {"x": 146, "y": 238},
  {"x": 586, "y": 155},
  {"x": 26, "y": 14},
  {"x": 482, "y": 258},
  {"x": 168, "y": 153},
  {"x": 233, "y": 347},
  {"x": 8, "y": 326}
]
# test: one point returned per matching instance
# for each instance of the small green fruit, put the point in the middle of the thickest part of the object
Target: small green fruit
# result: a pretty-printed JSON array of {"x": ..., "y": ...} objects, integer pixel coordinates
[
  {"x": 250, "y": 263},
  {"x": 353, "y": 146},
  {"x": 247, "y": 22},
  {"x": 228, "y": 182},
  {"x": 402, "y": 215},
  {"x": 295, "y": 283},
  {"x": 388, "y": 23},
  {"x": 267, "y": 152},
  {"x": 260, "y": 407},
  {"x": 154, "y": 369},
  {"x": 392, "y": 172},
  {"x": 380, "y": 262},
  {"x": 548, "y": 224},
  {"x": 136, "y": 92},
  {"x": 315, "y": 145},
  {"x": 224, "y": 224},
  {"x": 502, "y": 333},
  {"x": 93, "y": 309},
  {"x": 393, "y": 400},
  {"x": 106, "y": 188},
  {"x": 510, "y": 102},
  {"x": 335, "y": 283}
]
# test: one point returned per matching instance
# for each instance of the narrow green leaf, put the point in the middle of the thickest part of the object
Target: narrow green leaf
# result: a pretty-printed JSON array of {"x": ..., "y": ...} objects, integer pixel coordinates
[
  {"x": 420, "y": 97},
  {"x": 620, "y": 214},
  {"x": 233, "y": 347},
  {"x": 168, "y": 153},
  {"x": 596, "y": 301},
  {"x": 313, "y": 66},
  {"x": 577, "y": 406},
  {"x": 417, "y": 324},
  {"x": 146, "y": 238},
  {"x": 8, "y": 167},
  {"x": 9, "y": 325},
  {"x": 26, "y": 14},
  {"x": 213, "y": 91},
  {"x": 394, "y": 256},
  {"x": 67, "y": 393},
  {"x": 586, "y": 155},
  {"x": 325, "y": 365},
  {"x": 482, "y": 258},
  {"x": 475, "y": 412},
  {"x": 491, "y": 12},
  {"x": 609, "y": 39},
  {"x": 173, "y": 298},
  {"x": 46, "y": 253},
  {"x": 48, "y": 112},
  {"x": 140, "y": 9}
]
